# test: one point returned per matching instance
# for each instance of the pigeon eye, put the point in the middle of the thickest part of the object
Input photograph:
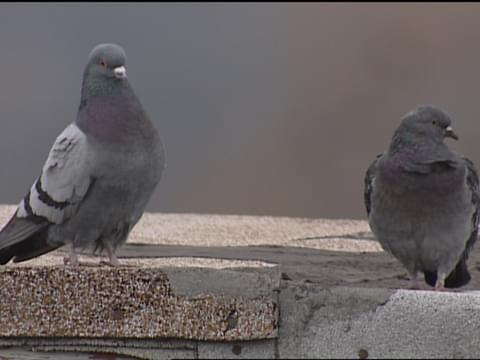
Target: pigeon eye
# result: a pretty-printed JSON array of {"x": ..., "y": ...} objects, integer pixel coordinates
[
  {"x": 103, "y": 64},
  {"x": 434, "y": 122}
]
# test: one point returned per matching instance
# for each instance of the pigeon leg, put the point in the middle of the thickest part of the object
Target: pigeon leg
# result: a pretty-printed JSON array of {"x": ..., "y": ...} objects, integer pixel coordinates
[
  {"x": 440, "y": 284},
  {"x": 413, "y": 283},
  {"x": 72, "y": 257},
  {"x": 111, "y": 255}
]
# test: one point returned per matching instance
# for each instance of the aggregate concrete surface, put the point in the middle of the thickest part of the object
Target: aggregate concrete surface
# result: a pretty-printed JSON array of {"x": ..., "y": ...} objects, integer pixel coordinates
[{"x": 333, "y": 291}]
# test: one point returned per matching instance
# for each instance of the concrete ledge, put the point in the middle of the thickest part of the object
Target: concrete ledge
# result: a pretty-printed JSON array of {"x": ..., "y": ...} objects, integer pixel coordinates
[
  {"x": 375, "y": 323},
  {"x": 87, "y": 349},
  {"x": 127, "y": 303},
  {"x": 210, "y": 286}
]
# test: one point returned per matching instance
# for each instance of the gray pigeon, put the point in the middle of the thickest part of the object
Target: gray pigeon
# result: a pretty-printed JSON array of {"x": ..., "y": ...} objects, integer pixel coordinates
[
  {"x": 99, "y": 174},
  {"x": 422, "y": 200}
]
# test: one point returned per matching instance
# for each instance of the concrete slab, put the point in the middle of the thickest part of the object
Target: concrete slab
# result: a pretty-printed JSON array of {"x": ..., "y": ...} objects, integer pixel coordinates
[
  {"x": 306, "y": 308},
  {"x": 81, "y": 348},
  {"x": 264, "y": 349},
  {"x": 334, "y": 293},
  {"x": 88, "y": 353},
  {"x": 128, "y": 302},
  {"x": 22, "y": 354},
  {"x": 242, "y": 230},
  {"x": 410, "y": 324}
]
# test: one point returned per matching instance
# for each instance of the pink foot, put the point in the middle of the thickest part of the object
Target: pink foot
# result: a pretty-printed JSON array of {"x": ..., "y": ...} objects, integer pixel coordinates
[
  {"x": 439, "y": 287},
  {"x": 72, "y": 258},
  {"x": 113, "y": 260}
]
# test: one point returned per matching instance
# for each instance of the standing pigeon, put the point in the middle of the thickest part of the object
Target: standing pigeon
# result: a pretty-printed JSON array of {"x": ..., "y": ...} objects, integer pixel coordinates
[
  {"x": 422, "y": 200},
  {"x": 99, "y": 174}
]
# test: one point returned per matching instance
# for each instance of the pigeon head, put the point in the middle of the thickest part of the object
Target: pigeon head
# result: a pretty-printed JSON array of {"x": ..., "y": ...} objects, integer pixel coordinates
[
  {"x": 104, "y": 72},
  {"x": 425, "y": 123},
  {"x": 107, "y": 61}
]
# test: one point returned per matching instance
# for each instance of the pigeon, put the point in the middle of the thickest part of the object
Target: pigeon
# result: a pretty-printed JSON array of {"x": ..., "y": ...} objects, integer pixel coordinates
[
  {"x": 422, "y": 200},
  {"x": 99, "y": 174}
]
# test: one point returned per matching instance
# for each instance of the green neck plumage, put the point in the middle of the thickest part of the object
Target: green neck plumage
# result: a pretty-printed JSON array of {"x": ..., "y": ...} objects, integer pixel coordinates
[
  {"x": 93, "y": 88},
  {"x": 403, "y": 140}
]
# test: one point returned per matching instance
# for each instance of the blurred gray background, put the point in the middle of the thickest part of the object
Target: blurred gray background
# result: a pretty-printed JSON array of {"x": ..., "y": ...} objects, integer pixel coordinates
[{"x": 264, "y": 109}]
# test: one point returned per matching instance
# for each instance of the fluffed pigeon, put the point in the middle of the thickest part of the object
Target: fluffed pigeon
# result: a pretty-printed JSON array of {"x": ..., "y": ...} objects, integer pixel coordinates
[
  {"x": 99, "y": 174},
  {"x": 422, "y": 200}
]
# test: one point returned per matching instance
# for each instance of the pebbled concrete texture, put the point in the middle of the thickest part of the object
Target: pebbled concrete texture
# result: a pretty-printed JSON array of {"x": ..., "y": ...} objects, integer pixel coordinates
[
  {"x": 131, "y": 303},
  {"x": 312, "y": 312},
  {"x": 335, "y": 294},
  {"x": 410, "y": 324},
  {"x": 264, "y": 349}
]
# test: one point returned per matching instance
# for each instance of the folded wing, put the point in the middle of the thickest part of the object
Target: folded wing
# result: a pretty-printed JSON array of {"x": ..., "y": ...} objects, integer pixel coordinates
[{"x": 53, "y": 198}]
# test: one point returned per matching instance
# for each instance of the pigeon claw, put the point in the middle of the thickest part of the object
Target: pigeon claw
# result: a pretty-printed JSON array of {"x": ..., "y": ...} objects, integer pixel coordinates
[
  {"x": 439, "y": 286},
  {"x": 72, "y": 258},
  {"x": 113, "y": 260}
]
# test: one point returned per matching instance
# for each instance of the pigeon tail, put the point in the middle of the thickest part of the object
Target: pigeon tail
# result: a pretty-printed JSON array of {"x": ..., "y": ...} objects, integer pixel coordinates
[
  {"x": 29, "y": 248},
  {"x": 457, "y": 278}
]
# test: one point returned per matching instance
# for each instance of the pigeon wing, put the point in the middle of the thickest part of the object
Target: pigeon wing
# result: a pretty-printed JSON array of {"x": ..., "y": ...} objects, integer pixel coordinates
[
  {"x": 369, "y": 182},
  {"x": 460, "y": 275},
  {"x": 57, "y": 193},
  {"x": 472, "y": 182}
]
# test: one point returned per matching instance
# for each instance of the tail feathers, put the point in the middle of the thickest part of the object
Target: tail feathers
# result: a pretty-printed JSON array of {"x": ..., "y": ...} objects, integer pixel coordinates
[
  {"x": 430, "y": 277},
  {"x": 6, "y": 255},
  {"x": 31, "y": 247},
  {"x": 457, "y": 278},
  {"x": 19, "y": 229},
  {"x": 23, "y": 239}
]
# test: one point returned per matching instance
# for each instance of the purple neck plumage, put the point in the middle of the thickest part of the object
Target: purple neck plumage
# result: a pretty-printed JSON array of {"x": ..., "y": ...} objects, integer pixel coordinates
[
  {"x": 415, "y": 153},
  {"x": 112, "y": 113}
]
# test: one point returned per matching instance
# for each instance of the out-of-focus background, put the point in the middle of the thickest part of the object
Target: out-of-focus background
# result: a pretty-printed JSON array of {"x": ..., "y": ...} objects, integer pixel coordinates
[{"x": 264, "y": 109}]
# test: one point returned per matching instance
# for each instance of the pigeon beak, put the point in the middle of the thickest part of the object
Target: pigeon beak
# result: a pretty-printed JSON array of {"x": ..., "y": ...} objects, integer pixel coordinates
[
  {"x": 449, "y": 133},
  {"x": 120, "y": 72}
]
